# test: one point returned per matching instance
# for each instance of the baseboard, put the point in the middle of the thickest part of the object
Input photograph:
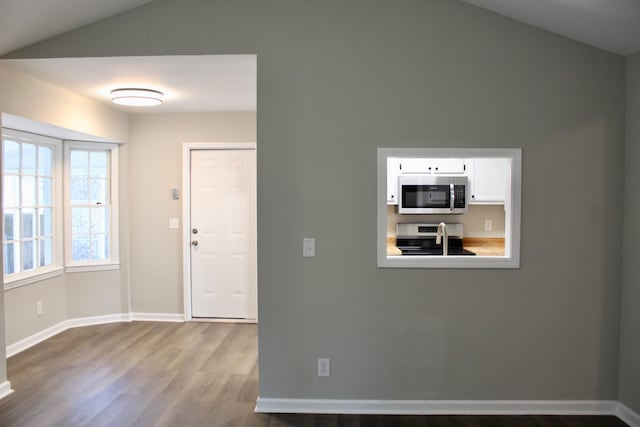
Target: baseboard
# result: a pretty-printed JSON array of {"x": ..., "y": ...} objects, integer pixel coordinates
[
  {"x": 36, "y": 338},
  {"x": 51, "y": 331},
  {"x": 437, "y": 407},
  {"x": 5, "y": 389},
  {"x": 627, "y": 415},
  {"x": 157, "y": 317},
  {"x": 96, "y": 320}
]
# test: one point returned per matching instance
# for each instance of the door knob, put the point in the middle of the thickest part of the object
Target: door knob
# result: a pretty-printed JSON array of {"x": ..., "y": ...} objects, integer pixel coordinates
[{"x": 194, "y": 243}]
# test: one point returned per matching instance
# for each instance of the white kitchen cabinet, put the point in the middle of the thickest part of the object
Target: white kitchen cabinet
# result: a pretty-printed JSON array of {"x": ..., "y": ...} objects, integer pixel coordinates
[
  {"x": 397, "y": 166},
  {"x": 393, "y": 171},
  {"x": 488, "y": 180},
  {"x": 432, "y": 166}
]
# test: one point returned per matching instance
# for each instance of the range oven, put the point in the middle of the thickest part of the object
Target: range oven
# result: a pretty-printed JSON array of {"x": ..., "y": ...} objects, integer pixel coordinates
[{"x": 433, "y": 194}]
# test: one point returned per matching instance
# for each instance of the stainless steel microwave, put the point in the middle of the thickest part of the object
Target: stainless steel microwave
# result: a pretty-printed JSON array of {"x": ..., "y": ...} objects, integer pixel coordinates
[{"x": 433, "y": 194}]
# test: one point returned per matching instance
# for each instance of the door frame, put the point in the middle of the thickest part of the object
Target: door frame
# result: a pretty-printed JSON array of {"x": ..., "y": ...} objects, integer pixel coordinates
[{"x": 187, "y": 148}]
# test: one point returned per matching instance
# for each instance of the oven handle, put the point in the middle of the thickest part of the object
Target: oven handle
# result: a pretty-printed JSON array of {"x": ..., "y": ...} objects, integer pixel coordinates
[{"x": 452, "y": 196}]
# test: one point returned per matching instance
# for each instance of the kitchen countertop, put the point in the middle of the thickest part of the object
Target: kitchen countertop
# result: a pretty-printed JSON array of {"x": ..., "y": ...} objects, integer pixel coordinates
[{"x": 490, "y": 246}]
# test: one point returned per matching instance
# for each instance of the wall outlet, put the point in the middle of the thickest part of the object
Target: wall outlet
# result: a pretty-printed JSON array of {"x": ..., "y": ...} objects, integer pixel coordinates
[
  {"x": 308, "y": 247},
  {"x": 39, "y": 308},
  {"x": 324, "y": 367},
  {"x": 488, "y": 225},
  {"x": 174, "y": 223}
]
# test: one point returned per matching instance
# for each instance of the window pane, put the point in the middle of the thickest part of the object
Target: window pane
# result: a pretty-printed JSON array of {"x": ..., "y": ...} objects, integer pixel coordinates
[
  {"x": 28, "y": 191},
  {"x": 98, "y": 191},
  {"x": 80, "y": 220},
  {"x": 11, "y": 191},
  {"x": 11, "y": 156},
  {"x": 11, "y": 256},
  {"x": 11, "y": 224},
  {"x": 28, "y": 255},
  {"x": 28, "y": 223},
  {"x": 79, "y": 163},
  {"x": 99, "y": 220},
  {"x": 28, "y": 159},
  {"x": 80, "y": 247},
  {"x": 99, "y": 247},
  {"x": 44, "y": 161},
  {"x": 44, "y": 191},
  {"x": 46, "y": 252},
  {"x": 98, "y": 162},
  {"x": 45, "y": 221},
  {"x": 79, "y": 190}
]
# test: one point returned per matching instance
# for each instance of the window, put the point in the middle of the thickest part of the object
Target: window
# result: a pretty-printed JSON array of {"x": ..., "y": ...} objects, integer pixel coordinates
[
  {"x": 91, "y": 208},
  {"x": 490, "y": 182},
  {"x": 32, "y": 238}
]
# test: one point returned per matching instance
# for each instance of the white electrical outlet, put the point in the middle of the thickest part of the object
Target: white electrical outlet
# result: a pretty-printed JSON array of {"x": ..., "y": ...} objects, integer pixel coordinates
[
  {"x": 39, "y": 308},
  {"x": 308, "y": 247},
  {"x": 324, "y": 367},
  {"x": 488, "y": 225},
  {"x": 174, "y": 223}
]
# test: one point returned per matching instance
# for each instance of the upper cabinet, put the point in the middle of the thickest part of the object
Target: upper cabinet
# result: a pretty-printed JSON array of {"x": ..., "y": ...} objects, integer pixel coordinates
[
  {"x": 432, "y": 166},
  {"x": 488, "y": 180},
  {"x": 403, "y": 166},
  {"x": 487, "y": 176},
  {"x": 393, "y": 172}
]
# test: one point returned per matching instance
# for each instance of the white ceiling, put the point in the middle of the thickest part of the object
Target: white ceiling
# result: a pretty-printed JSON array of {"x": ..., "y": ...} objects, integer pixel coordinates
[
  {"x": 203, "y": 83},
  {"x": 612, "y": 25}
]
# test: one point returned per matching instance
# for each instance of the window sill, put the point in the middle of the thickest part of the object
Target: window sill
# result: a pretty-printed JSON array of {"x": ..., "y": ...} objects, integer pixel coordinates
[
  {"x": 452, "y": 261},
  {"x": 92, "y": 267},
  {"x": 16, "y": 283}
]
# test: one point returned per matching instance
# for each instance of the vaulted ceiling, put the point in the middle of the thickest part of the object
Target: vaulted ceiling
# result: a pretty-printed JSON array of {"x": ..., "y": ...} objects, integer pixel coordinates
[{"x": 612, "y": 25}]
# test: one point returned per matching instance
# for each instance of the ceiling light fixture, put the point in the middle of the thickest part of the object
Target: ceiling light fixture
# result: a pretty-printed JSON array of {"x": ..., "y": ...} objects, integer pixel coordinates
[{"x": 136, "y": 97}]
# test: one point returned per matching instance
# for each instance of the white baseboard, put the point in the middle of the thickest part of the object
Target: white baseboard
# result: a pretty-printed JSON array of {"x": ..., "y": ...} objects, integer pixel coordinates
[
  {"x": 436, "y": 407},
  {"x": 627, "y": 415},
  {"x": 95, "y": 320},
  {"x": 34, "y": 339},
  {"x": 5, "y": 389},
  {"x": 157, "y": 317},
  {"x": 220, "y": 320},
  {"x": 38, "y": 337}
]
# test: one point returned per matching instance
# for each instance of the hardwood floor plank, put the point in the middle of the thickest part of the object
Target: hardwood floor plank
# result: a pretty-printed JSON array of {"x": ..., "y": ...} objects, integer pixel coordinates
[{"x": 180, "y": 374}]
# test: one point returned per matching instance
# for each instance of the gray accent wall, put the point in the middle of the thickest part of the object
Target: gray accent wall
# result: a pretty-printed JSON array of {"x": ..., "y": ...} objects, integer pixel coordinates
[
  {"x": 337, "y": 80},
  {"x": 629, "y": 376}
]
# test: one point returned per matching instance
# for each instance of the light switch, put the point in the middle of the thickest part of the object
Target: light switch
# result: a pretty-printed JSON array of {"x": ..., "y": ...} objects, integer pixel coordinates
[
  {"x": 308, "y": 247},
  {"x": 174, "y": 222},
  {"x": 175, "y": 194}
]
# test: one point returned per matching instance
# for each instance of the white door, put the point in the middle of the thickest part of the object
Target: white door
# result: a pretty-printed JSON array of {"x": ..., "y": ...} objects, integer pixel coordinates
[{"x": 223, "y": 233}]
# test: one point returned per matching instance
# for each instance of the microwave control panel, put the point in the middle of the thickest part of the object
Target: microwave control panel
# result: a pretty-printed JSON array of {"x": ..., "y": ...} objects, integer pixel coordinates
[{"x": 459, "y": 201}]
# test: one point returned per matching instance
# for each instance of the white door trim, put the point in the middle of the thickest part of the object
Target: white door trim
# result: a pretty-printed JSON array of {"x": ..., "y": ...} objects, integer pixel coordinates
[{"x": 187, "y": 147}]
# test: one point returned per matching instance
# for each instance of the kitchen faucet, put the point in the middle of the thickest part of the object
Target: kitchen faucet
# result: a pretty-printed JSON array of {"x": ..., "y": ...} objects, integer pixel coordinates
[{"x": 442, "y": 233}]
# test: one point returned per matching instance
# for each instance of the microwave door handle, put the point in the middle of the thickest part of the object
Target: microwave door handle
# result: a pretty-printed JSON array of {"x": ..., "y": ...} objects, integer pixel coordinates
[{"x": 452, "y": 196}]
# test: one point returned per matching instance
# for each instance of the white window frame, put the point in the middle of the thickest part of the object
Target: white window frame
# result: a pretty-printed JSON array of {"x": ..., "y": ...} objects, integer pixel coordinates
[
  {"x": 113, "y": 263},
  {"x": 511, "y": 259},
  {"x": 56, "y": 268}
]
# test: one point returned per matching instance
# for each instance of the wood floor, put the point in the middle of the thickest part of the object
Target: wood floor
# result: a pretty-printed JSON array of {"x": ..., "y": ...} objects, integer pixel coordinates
[{"x": 175, "y": 374}]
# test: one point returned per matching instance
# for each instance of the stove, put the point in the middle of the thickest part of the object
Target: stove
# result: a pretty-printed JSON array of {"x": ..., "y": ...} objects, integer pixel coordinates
[{"x": 420, "y": 239}]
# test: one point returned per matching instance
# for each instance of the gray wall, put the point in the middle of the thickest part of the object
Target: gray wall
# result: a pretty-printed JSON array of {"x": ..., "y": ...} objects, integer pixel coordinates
[
  {"x": 630, "y": 320},
  {"x": 338, "y": 79}
]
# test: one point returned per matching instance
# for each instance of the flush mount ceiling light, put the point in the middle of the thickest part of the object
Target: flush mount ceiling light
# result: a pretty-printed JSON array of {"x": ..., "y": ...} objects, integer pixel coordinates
[{"x": 136, "y": 97}]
